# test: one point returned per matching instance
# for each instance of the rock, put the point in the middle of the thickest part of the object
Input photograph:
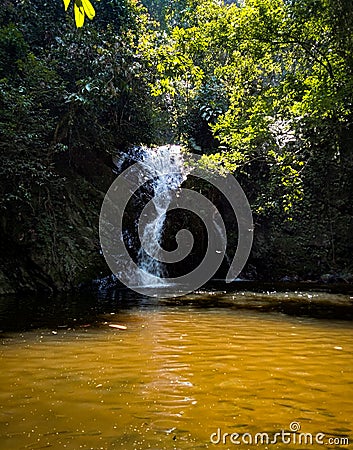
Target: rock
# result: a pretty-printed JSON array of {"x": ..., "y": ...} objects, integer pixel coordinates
[{"x": 332, "y": 278}]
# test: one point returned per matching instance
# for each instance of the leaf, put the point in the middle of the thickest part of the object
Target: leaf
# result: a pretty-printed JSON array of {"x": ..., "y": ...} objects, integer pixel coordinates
[
  {"x": 66, "y": 3},
  {"x": 79, "y": 15},
  {"x": 89, "y": 10}
]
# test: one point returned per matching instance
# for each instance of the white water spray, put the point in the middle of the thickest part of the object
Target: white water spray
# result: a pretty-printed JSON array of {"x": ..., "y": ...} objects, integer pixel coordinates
[
  {"x": 166, "y": 170},
  {"x": 160, "y": 172}
]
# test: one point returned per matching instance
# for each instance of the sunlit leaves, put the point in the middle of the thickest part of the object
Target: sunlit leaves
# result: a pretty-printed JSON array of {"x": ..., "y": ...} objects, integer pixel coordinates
[{"x": 278, "y": 72}]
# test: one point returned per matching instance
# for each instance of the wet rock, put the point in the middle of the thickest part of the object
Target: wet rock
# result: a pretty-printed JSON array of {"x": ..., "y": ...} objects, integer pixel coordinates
[
  {"x": 290, "y": 279},
  {"x": 336, "y": 278}
]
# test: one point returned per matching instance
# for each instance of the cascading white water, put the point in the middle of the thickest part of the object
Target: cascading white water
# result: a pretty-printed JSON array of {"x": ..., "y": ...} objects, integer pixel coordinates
[
  {"x": 158, "y": 173},
  {"x": 166, "y": 170}
]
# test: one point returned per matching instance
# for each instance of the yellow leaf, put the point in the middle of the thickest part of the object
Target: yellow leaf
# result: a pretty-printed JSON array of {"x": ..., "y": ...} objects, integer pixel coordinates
[
  {"x": 79, "y": 15},
  {"x": 89, "y": 10},
  {"x": 66, "y": 3}
]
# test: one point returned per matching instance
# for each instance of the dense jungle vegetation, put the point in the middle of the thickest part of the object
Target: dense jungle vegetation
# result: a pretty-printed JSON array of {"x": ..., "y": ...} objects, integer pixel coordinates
[{"x": 263, "y": 88}]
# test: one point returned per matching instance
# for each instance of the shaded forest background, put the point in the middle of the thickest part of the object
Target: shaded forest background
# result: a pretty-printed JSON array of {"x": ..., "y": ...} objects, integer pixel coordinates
[{"x": 263, "y": 88}]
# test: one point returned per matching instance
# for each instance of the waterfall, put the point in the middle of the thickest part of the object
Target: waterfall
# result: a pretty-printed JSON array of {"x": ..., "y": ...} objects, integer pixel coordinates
[
  {"x": 165, "y": 169},
  {"x": 147, "y": 189}
]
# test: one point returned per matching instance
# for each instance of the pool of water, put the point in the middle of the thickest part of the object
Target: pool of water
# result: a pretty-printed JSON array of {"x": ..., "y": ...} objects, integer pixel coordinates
[{"x": 130, "y": 372}]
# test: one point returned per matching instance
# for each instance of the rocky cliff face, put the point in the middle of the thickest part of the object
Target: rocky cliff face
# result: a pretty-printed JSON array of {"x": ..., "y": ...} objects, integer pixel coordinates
[{"x": 56, "y": 246}]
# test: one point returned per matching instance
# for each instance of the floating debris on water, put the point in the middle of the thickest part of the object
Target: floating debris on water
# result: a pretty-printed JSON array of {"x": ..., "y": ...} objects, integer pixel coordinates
[{"x": 119, "y": 327}]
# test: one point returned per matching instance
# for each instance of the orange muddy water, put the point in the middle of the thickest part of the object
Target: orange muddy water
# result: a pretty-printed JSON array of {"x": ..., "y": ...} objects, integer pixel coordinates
[{"x": 180, "y": 376}]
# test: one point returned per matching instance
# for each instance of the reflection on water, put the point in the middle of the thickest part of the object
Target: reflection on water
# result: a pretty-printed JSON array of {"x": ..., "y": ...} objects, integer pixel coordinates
[{"x": 182, "y": 369}]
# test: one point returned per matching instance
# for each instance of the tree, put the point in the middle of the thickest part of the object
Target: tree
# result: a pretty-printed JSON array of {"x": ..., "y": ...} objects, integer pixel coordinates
[{"x": 271, "y": 82}]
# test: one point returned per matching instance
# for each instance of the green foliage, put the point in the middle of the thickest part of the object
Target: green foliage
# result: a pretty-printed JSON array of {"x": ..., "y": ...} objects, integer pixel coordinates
[
  {"x": 263, "y": 76},
  {"x": 27, "y": 93},
  {"x": 12, "y": 50},
  {"x": 261, "y": 88},
  {"x": 68, "y": 100}
]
